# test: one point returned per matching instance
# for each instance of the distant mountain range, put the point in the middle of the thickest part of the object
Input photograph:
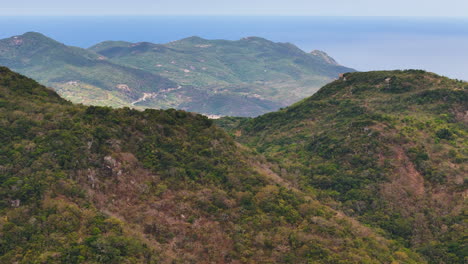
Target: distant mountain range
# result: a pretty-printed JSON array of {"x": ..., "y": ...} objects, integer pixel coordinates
[{"x": 247, "y": 77}]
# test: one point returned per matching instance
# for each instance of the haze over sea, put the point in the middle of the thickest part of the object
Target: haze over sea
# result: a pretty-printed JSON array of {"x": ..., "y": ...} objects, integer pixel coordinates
[{"x": 365, "y": 43}]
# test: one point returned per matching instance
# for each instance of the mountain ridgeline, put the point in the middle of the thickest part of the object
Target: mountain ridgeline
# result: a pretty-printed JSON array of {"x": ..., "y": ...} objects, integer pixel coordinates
[
  {"x": 94, "y": 184},
  {"x": 247, "y": 77},
  {"x": 388, "y": 148}
]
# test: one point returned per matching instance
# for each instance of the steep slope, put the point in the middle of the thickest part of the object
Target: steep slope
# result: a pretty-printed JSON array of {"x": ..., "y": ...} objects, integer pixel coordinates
[
  {"x": 77, "y": 74},
  {"x": 95, "y": 185},
  {"x": 390, "y": 147},
  {"x": 272, "y": 74}
]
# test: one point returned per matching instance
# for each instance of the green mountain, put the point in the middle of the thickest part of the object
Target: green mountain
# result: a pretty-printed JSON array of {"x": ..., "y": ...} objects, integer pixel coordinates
[
  {"x": 255, "y": 68},
  {"x": 99, "y": 185},
  {"x": 389, "y": 148},
  {"x": 247, "y": 77},
  {"x": 77, "y": 74}
]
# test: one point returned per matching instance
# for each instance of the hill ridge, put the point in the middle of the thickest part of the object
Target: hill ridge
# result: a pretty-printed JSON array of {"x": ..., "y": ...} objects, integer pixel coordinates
[
  {"x": 257, "y": 74},
  {"x": 386, "y": 147}
]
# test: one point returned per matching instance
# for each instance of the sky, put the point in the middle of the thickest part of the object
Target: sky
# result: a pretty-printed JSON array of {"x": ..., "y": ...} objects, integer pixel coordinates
[{"x": 445, "y": 8}]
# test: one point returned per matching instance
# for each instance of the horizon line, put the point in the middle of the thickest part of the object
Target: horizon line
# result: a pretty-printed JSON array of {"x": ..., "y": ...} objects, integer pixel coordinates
[{"x": 224, "y": 15}]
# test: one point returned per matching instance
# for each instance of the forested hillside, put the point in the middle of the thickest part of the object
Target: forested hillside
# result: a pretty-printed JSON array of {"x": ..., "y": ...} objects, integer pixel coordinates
[
  {"x": 99, "y": 185},
  {"x": 389, "y": 148}
]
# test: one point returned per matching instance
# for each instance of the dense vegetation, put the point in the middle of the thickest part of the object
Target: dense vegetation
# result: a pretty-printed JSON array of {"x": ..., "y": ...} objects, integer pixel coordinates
[
  {"x": 97, "y": 185},
  {"x": 248, "y": 77},
  {"x": 389, "y": 148}
]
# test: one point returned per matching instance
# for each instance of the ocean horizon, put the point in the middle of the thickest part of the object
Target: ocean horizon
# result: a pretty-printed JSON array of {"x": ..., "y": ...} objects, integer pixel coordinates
[{"x": 365, "y": 43}]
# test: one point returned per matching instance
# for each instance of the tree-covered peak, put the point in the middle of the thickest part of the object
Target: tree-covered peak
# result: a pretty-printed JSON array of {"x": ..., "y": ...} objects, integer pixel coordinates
[
  {"x": 368, "y": 84},
  {"x": 29, "y": 39}
]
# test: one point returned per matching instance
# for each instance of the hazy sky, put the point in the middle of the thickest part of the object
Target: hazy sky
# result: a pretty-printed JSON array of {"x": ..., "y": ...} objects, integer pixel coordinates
[{"x": 446, "y": 8}]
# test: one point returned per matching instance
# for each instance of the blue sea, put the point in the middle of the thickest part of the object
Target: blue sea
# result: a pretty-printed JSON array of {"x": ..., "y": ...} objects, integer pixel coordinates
[{"x": 365, "y": 43}]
